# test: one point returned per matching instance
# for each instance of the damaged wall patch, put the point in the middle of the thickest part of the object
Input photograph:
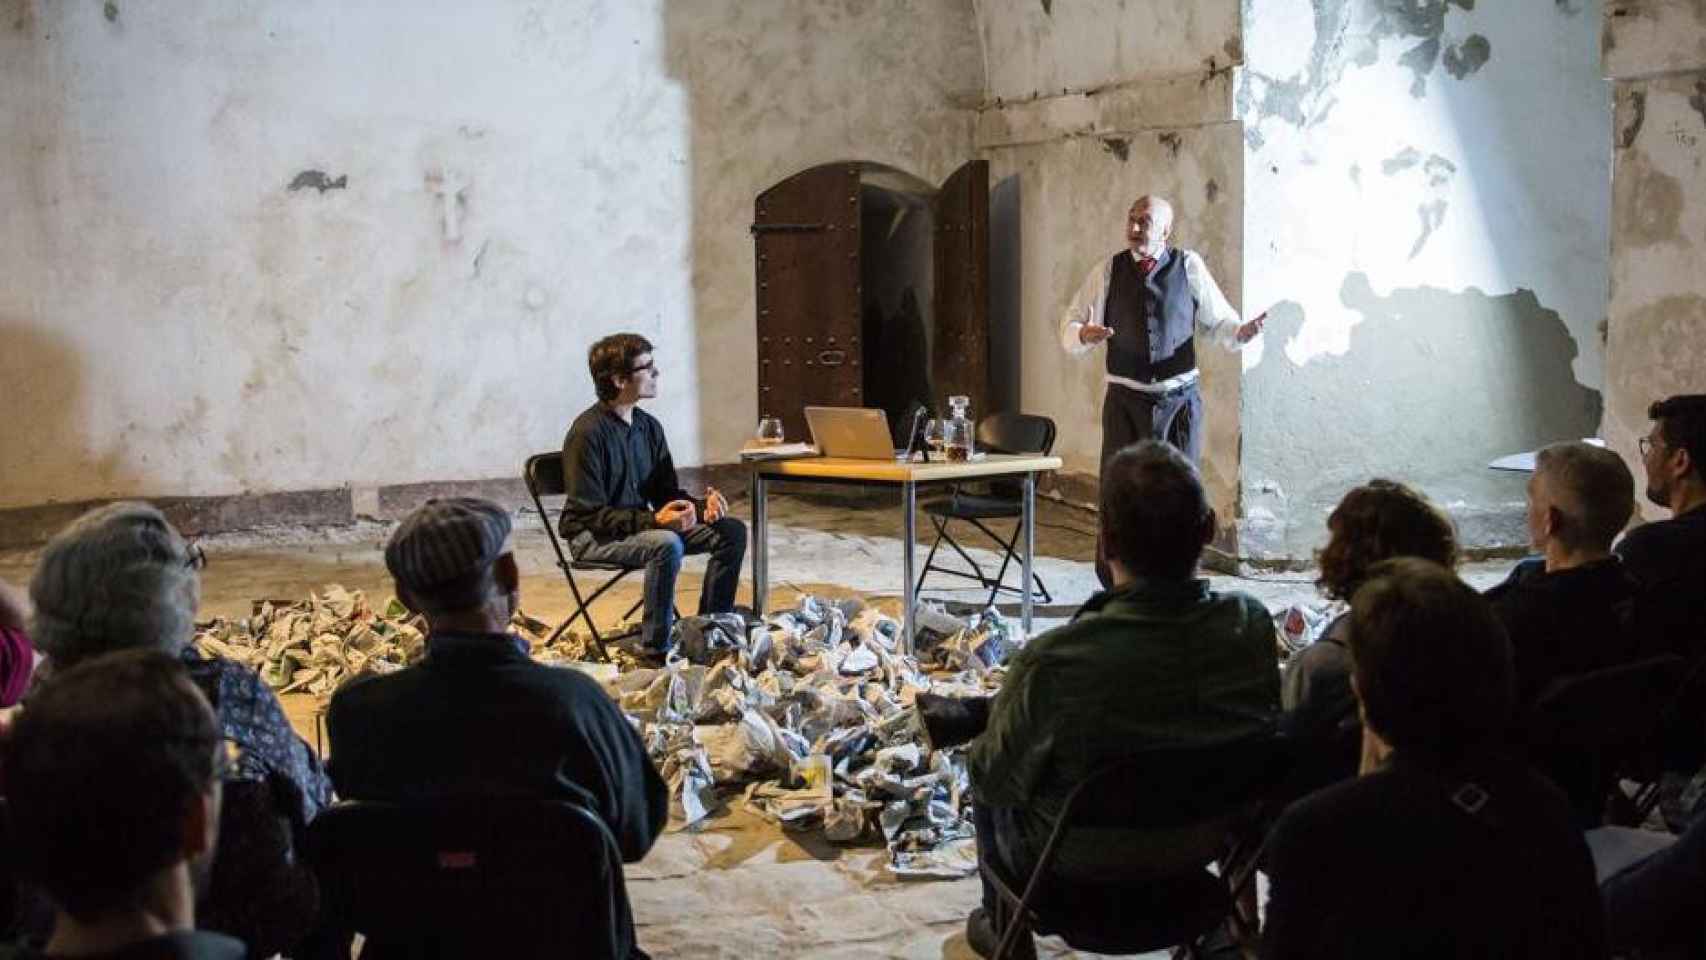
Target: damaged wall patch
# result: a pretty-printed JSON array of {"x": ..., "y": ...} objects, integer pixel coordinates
[{"x": 318, "y": 180}]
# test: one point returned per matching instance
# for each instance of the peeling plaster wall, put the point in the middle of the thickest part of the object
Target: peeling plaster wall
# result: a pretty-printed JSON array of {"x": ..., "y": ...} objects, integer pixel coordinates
[
  {"x": 264, "y": 246},
  {"x": 1425, "y": 213},
  {"x": 1147, "y": 116},
  {"x": 1657, "y": 314}
]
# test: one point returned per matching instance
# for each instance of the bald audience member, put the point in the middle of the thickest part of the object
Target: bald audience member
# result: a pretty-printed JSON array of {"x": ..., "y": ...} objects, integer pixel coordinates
[
  {"x": 477, "y": 714},
  {"x": 113, "y": 777},
  {"x": 1565, "y": 613}
]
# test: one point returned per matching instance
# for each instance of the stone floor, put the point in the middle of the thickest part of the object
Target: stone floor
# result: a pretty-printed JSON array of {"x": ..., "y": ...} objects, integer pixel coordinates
[{"x": 738, "y": 888}]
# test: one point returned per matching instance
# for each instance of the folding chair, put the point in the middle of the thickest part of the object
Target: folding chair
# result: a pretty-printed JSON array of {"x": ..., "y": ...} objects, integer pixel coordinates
[
  {"x": 1187, "y": 806},
  {"x": 996, "y": 433},
  {"x": 485, "y": 876},
  {"x": 544, "y": 476},
  {"x": 1581, "y": 729}
]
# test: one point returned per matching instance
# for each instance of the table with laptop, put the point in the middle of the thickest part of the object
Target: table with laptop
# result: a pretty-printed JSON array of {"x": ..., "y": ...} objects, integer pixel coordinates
[{"x": 853, "y": 445}]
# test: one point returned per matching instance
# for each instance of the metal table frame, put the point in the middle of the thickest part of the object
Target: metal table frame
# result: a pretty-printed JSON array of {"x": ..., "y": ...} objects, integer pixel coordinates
[{"x": 908, "y": 477}]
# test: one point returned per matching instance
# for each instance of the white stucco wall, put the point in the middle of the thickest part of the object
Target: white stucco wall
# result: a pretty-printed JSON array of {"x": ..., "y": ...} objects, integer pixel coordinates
[
  {"x": 1657, "y": 310},
  {"x": 521, "y": 178},
  {"x": 1425, "y": 205}
]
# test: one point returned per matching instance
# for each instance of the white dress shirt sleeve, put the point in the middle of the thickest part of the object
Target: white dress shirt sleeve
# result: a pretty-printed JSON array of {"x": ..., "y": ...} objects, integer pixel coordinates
[
  {"x": 1086, "y": 307},
  {"x": 1215, "y": 316}
]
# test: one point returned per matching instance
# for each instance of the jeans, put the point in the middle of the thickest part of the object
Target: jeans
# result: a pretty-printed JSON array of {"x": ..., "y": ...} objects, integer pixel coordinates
[{"x": 660, "y": 552}]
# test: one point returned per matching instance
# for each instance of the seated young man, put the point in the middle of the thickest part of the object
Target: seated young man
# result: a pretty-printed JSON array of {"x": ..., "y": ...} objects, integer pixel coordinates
[
  {"x": 624, "y": 502},
  {"x": 1158, "y": 658},
  {"x": 477, "y": 714},
  {"x": 1667, "y": 558},
  {"x": 1566, "y": 615},
  {"x": 1445, "y": 847},
  {"x": 113, "y": 782}
]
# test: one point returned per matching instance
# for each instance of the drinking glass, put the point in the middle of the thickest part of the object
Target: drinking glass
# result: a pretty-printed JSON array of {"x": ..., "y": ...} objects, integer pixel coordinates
[
  {"x": 934, "y": 434},
  {"x": 769, "y": 430}
]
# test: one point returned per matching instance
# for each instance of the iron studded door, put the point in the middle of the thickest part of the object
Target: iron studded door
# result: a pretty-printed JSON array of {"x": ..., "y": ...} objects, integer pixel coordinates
[
  {"x": 806, "y": 233},
  {"x": 960, "y": 355}
]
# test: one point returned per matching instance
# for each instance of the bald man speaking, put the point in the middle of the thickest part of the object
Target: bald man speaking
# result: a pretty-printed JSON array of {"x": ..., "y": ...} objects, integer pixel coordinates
[{"x": 1145, "y": 305}]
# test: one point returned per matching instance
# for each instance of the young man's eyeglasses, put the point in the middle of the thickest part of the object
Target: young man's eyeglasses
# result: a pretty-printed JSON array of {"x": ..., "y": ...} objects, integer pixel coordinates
[
  {"x": 644, "y": 367},
  {"x": 1647, "y": 444}
]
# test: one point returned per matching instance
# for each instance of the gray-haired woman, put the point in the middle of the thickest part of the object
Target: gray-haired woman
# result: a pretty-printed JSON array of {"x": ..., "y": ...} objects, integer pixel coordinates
[{"x": 121, "y": 577}]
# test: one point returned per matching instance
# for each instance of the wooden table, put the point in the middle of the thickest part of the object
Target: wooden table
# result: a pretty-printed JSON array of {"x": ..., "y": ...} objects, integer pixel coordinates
[{"x": 907, "y": 476}]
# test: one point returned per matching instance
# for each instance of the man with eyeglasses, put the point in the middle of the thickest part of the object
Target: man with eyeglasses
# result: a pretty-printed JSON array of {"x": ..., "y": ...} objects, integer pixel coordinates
[
  {"x": 625, "y": 504},
  {"x": 1668, "y": 557},
  {"x": 114, "y": 788}
]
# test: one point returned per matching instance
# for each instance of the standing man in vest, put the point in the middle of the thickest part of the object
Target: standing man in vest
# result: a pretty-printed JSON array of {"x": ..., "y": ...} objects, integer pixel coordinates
[{"x": 1146, "y": 304}]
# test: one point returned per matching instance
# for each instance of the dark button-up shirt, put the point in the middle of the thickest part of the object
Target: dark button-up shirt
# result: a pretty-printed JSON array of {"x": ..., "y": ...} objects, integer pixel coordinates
[
  {"x": 617, "y": 474},
  {"x": 478, "y": 716},
  {"x": 1154, "y": 662}
]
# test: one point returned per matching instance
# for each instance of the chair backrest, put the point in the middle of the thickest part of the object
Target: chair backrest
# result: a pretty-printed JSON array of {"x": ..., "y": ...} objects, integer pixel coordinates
[
  {"x": 541, "y": 878},
  {"x": 1621, "y": 706},
  {"x": 1009, "y": 432},
  {"x": 544, "y": 474},
  {"x": 1180, "y": 799}
]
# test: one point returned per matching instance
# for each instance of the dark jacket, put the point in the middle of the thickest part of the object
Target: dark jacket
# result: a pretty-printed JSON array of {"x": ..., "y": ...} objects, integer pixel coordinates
[
  {"x": 617, "y": 475},
  {"x": 1564, "y": 623},
  {"x": 1413, "y": 862},
  {"x": 1155, "y": 662},
  {"x": 478, "y": 716},
  {"x": 1667, "y": 560},
  {"x": 183, "y": 945}
]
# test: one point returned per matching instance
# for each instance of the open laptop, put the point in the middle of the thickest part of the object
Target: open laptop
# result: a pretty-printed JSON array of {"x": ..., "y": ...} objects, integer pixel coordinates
[{"x": 857, "y": 433}]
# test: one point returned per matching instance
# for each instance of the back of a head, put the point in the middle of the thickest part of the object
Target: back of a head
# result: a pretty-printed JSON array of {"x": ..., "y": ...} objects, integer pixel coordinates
[
  {"x": 1155, "y": 517},
  {"x": 1432, "y": 664},
  {"x": 1683, "y": 420},
  {"x": 1377, "y": 521},
  {"x": 101, "y": 769},
  {"x": 119, "y": 576},
  {"x": 613, "y": 356},
  {"x": 1592, "y": 487},
  {"x": 442, "y": 554}
]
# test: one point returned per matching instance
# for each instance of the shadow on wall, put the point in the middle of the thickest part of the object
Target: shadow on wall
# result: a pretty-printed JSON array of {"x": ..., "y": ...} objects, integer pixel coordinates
[
  {"x": 1435, "y": 384},
  {"x": 45, "y": 386}
]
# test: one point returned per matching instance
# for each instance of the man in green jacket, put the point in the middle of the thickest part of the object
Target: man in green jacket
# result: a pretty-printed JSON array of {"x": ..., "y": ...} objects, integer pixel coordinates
[{"x": 1158, "y": 658}]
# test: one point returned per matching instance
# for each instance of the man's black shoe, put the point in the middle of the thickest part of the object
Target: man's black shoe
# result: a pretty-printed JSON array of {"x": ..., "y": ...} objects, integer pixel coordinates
[{"x": 983, "y": 938}]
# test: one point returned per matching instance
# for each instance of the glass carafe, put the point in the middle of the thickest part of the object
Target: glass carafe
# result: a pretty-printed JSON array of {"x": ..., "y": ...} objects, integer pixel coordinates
[{"x": 958, "y": 431}]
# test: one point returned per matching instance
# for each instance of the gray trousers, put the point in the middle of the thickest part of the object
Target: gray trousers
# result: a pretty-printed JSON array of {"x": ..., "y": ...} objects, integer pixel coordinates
[{"x": 1131, "y": 416}]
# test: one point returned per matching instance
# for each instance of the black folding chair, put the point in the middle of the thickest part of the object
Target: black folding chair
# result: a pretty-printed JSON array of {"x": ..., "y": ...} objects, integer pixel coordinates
[
  {"x": 1583, "y": 728},
  {"x": 1003, "y": 500},
  {"x": 1185, "y": 807},
  {"x": 544, "y": 476},
  {"x": 486, "y": 876}
]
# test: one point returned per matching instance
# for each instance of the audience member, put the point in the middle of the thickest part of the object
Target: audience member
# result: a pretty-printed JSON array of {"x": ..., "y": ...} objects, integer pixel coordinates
[
  {"x": 1667, "y": 558},
  {"x": 113, "y": 786},
  {"x": 121, "y": 577},
  {"x": 17, "y": 654},
  {"x": 1377, "y": 521},
  {"x": 1566, "y": 614},
  {"x": 1446, "y": 847},
  {"x": 624, "y": 502},
  {"x": 1159, "y": 658},
  {"x": 477, "y": 715}
]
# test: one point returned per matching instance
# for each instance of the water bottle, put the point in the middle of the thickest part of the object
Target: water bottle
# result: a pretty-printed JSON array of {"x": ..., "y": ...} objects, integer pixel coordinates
[{"x": 958, "y": 433}]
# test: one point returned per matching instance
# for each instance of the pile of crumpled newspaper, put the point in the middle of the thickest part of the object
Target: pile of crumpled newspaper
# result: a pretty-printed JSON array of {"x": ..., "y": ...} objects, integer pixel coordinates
[
  {"x": 807, "y": 714},
  {"x": 811, "y": 710}
]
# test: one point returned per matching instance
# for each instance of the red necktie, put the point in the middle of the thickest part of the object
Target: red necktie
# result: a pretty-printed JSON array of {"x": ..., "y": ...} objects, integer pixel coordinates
[{"x": 1146, "y": 264}]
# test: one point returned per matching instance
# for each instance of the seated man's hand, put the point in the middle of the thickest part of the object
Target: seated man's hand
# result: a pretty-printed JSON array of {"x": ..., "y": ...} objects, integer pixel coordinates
[
  {"x": 678, "y": 515},
  {"x": 1094, "y": 333},
  {"x": 716, "y": 506}
]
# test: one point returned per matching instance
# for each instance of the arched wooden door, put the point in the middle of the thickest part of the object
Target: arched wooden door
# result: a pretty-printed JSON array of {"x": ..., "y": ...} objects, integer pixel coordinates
[
  {"x": 806, "y": 233},
  {"x": 960, "y": 346}
]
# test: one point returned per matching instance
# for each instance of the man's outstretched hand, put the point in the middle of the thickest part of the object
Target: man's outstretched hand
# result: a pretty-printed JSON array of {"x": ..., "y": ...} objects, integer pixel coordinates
[
  {"x": 1094, "y": 333},
  {"x": 678, "y": 515},
  {"x": 1248, "y": 331}
]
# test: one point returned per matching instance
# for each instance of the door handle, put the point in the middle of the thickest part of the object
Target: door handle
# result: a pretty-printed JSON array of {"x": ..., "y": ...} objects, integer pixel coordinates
[{"x": 832, "y": 358}]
